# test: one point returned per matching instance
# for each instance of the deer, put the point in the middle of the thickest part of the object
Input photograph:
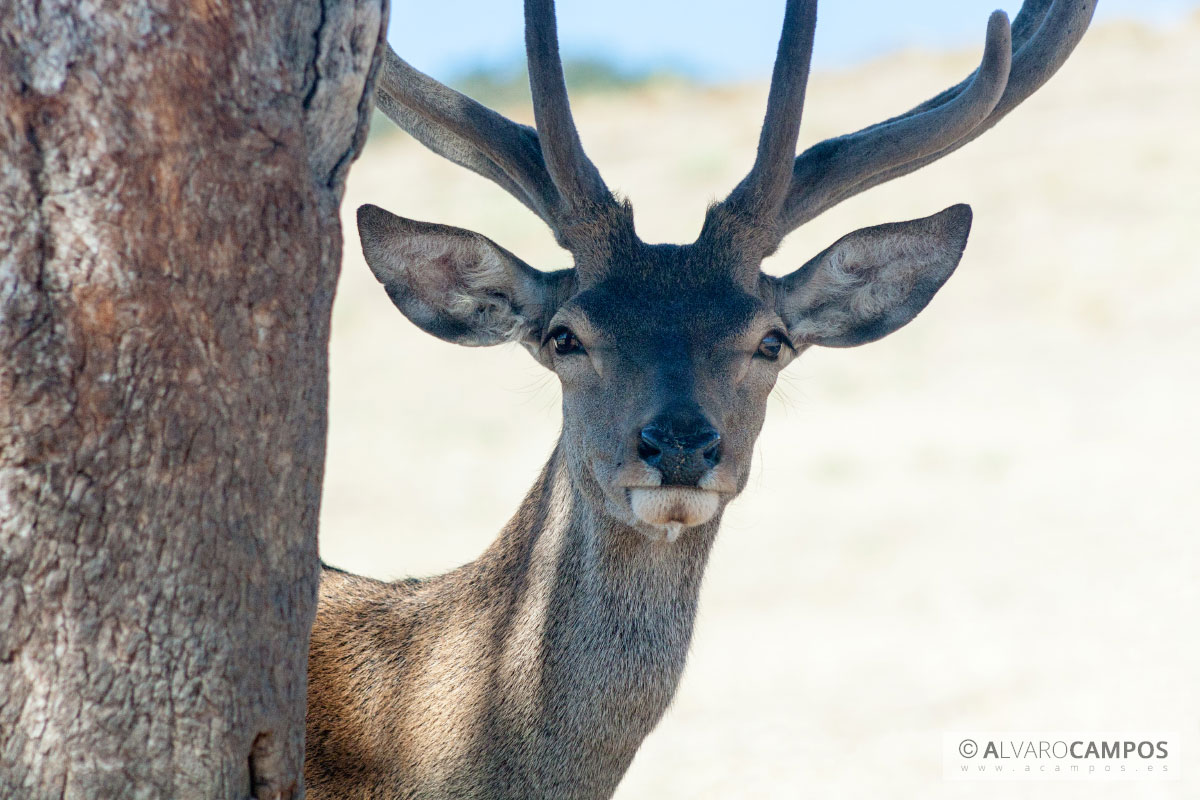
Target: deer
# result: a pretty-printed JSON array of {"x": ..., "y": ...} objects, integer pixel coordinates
[{"x": 537, "y": 670}]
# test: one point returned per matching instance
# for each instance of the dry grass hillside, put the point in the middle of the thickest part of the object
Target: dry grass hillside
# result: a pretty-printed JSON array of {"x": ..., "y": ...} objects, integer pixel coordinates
[{"x": 989, "y": 521}]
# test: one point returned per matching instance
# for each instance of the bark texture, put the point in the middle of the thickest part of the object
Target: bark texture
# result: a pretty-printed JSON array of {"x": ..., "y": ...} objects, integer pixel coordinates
[{"x": 170, "y": 175}]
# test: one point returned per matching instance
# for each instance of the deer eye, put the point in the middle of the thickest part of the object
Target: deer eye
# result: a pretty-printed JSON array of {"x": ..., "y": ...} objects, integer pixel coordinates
[
  {"x": 565, "y": 342},
  {"x": 770, "y": 346}
]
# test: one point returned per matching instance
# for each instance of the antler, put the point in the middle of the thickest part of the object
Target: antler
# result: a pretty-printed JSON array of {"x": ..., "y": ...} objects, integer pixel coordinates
[
  {"x": 1015, "y": 63},
  {"x": 549, "y": 173},
  {"x": 575, "y": 176},
  {"x": 761, "y": 194}
]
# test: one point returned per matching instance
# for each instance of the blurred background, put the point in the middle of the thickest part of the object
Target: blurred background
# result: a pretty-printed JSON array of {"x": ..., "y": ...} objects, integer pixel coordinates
[{"x": 988, "y": 521}]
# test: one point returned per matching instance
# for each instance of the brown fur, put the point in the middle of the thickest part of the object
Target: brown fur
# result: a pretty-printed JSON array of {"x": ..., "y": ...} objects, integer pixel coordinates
[
  {"x": 534, "y": 671},
  {"x": 537, "y": 670}
]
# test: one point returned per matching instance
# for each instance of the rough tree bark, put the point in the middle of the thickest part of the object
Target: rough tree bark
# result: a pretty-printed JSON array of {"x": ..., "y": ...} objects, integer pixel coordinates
[{"x": 170, "y": 175}]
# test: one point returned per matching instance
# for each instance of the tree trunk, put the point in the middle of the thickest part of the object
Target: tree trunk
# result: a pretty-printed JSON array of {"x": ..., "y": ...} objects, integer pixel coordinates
[{"x": 170, "y": 175}]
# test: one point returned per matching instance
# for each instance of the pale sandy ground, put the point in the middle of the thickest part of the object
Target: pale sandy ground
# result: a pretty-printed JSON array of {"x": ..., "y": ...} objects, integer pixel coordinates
[{"x": 988, "y": 521}]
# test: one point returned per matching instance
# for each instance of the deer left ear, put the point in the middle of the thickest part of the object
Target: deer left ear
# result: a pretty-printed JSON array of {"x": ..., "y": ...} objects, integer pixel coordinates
[
  {"x": 873, "y": 281},
  {"x": 454, "y": 283}
]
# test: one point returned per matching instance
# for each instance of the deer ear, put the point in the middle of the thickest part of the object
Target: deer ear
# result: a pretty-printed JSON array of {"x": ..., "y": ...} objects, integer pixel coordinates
[
  {"x": 456, "y": 284},
  {"x": 873, "y": 281}
]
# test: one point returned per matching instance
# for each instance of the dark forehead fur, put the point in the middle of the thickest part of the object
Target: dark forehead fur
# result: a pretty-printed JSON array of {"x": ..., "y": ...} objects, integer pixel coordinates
[
  {"x": 730, "y": 247},
  {"x": 665, "y": 287},
  {"x": 704, "y": 291}
]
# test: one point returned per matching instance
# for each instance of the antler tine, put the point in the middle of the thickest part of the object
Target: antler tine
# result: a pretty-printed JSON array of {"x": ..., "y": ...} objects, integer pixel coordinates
[
  {"x": 469, "y": 134},
  {"x": 824, "y": 171},
  {"x": 762, "y": 192},
  {"x": 1043, "y": 35},
  {"x": 577, "y": 179}
]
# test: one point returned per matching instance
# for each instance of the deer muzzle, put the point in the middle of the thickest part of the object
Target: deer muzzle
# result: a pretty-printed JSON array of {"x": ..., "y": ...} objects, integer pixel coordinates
[{"x": 670, "y": 509}]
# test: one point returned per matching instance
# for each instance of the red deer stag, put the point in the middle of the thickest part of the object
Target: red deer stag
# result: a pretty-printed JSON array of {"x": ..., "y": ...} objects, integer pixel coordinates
[{"x": 537, "y": 670}]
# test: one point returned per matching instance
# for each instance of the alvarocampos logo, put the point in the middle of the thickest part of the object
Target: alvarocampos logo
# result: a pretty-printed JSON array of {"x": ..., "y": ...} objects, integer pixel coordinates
[{"x": 1060, "y": 756}]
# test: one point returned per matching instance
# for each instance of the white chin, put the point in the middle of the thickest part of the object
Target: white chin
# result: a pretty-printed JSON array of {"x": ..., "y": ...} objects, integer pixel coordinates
[{"x": 673, "y": 508}]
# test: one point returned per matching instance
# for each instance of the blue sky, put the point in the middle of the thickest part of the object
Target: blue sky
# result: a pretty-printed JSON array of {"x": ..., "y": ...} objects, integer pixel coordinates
[{"x": 709, "y": 39}]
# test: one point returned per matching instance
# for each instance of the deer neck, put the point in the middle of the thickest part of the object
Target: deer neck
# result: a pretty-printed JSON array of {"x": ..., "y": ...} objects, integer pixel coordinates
[
  {"x": 598, "y": 619},
  {"x": 535, "y": 671}
]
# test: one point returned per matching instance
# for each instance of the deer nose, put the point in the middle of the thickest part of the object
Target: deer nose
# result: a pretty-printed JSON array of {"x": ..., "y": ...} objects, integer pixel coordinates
[{"x": 681, "y": 450}]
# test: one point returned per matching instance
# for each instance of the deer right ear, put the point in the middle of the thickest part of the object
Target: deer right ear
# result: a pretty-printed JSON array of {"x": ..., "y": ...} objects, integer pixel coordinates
[
  {"x": 454, "y": 283},
  {"x": 873, "y": 281}
]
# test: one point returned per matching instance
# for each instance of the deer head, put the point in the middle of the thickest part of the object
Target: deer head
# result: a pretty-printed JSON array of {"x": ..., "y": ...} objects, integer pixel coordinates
[{"x": 667, "y": 353}]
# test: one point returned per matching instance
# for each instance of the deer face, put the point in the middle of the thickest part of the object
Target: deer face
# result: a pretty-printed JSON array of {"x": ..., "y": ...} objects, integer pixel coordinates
[
  {"x": 664, "y": 390},
  {"x": 666, "y": 353}
]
